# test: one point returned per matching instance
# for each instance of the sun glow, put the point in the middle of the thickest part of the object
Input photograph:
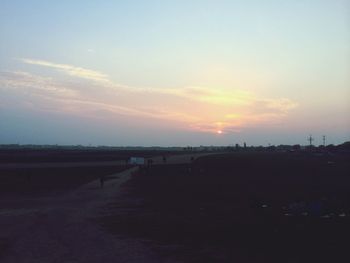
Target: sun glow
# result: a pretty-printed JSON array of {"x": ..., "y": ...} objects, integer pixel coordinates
[{"x": 219, "y": 111}]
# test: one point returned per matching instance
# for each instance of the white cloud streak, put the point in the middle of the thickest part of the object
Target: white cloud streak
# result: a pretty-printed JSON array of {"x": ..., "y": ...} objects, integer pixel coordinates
[
  {"x": 70, "y": 70},
  {"x": 197, "y": 108}
]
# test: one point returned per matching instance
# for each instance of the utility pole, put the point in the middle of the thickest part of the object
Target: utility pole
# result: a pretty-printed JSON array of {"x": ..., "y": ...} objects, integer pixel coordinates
[
  {"x": 324, "y": 140},
  {"x": 310, "y": 139}
]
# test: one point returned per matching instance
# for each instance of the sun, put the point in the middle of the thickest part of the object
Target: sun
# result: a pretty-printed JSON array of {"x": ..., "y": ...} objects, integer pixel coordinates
[{"x": 219, "y": 131}]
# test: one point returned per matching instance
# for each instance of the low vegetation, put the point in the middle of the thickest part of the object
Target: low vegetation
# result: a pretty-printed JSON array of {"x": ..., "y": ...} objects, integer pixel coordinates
[{"x": 241, "y": 207}]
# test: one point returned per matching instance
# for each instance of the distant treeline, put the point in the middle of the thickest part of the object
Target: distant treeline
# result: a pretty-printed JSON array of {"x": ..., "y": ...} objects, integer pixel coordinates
[
  {"x": 71, "y": 148},
  {"x": 84, "y": 147}
]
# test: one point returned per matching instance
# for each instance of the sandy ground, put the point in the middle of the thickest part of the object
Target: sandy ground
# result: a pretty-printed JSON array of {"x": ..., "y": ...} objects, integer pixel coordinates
[{"x": 61, "y": 228}]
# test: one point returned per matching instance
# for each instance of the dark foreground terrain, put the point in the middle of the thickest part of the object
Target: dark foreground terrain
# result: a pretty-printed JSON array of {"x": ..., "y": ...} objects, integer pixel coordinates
[
  {"x": 40, "y": 171},
  {"x": 36, "y": 182},
  {"x": 48, "y": 207},
  {"x": 28, "y": 155},
  {"x": 241, "y": 207}
]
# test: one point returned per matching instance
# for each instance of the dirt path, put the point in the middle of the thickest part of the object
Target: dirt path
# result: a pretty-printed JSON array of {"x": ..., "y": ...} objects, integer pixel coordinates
[{"x": 60, "y": 229}]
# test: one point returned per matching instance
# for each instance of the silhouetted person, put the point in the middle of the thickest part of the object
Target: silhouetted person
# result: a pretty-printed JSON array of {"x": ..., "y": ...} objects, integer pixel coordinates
[{"x": 164, "y": 159}]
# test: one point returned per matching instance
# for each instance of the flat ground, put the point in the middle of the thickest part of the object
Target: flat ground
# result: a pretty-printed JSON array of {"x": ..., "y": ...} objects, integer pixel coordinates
[
  {"x": 71, "y": 155},
  {"x": 240, "y": 207},
  {"x": 48, "y": 213}
]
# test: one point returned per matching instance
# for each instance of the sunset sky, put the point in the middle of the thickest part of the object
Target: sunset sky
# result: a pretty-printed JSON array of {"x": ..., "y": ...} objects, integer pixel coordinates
[{"x": 174, "y": 73}]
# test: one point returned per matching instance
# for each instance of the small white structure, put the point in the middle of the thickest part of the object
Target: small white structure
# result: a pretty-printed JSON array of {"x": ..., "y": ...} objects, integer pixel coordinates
[{"x": 137, "y": 161}]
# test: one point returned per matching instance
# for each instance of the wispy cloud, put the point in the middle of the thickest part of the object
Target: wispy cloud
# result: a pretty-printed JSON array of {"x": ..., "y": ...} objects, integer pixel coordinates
[
  {"x": 70, "y": 70},
  {"x": 35, "y": 84},
  {"x": 197, "y": 108},
  {"x": 214, "y": 96}
]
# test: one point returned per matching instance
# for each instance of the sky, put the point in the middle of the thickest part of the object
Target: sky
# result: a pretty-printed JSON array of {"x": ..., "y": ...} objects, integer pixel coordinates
[{"x": 174, "y": 73}]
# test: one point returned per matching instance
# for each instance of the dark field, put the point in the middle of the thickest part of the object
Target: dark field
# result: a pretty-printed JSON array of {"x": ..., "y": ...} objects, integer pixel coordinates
[
  {"x": 24, "y": 191},
  {"x": 43, "y": 181},
  {"x": 243, "y": 207},
  {"x": 70, "y": 155}
]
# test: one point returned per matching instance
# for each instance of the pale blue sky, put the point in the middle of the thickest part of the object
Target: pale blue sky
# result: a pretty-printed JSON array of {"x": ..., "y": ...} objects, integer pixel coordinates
[{"x": 174, "y": 72}]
